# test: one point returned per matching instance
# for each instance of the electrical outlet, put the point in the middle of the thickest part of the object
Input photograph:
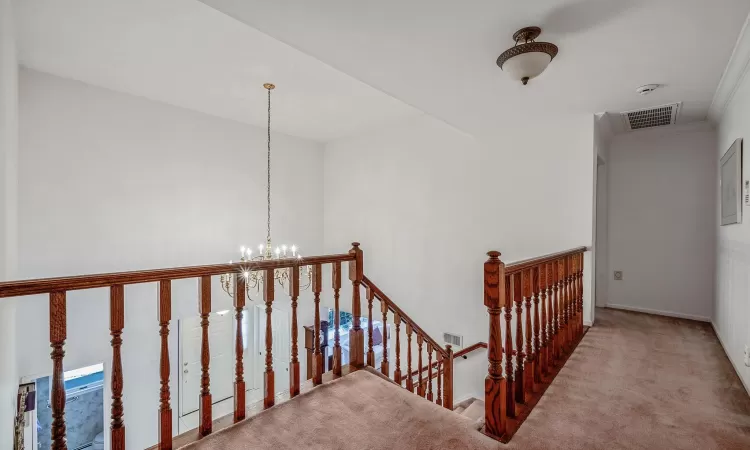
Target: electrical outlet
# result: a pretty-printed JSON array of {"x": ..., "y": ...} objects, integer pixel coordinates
[
  {"x": 618, "y": 275},
  {"x": 747, "y": 355}
]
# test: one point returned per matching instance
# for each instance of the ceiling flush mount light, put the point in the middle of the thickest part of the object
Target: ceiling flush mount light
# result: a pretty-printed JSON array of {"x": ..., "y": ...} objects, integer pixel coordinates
[{"x": 528, "y": 58}]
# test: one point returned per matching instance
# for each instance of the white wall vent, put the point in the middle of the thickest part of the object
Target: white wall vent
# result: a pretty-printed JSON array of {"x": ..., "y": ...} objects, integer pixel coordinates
[
  {"x": 651, "y": 117},
  {"x": 453, "y": 339}
]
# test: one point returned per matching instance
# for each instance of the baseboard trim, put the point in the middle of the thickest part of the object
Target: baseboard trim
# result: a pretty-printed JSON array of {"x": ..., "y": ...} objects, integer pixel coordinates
[
  {"x": 659, "y": 313},
  {"x": 734, "y": 366}
]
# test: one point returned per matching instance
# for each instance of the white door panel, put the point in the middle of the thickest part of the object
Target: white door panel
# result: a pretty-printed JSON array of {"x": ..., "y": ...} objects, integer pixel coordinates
[
  {"x": 221, "y": 365},
  {"x": 280, "y": 348}
]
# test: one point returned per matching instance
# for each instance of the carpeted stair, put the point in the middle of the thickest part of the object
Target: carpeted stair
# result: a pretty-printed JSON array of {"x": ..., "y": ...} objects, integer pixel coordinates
[{"x": 472, "y": 410}]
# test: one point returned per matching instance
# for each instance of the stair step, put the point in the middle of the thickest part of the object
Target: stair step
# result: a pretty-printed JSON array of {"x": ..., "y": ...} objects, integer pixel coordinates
[{"x": 472, "y": 410}]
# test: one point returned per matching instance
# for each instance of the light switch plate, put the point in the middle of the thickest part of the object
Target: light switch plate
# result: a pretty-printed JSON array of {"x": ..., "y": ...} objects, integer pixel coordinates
[
  {"x": 747, "y": 355},
  {"x": 618, "y": 275}
]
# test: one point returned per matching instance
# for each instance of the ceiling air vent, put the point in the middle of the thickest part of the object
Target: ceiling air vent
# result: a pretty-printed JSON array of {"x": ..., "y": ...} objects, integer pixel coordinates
[{"x": 651, "y": 117}]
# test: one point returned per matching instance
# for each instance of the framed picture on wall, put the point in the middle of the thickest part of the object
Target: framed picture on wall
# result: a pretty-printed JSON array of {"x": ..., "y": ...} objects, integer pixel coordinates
[{"x": 731, "y": 184}]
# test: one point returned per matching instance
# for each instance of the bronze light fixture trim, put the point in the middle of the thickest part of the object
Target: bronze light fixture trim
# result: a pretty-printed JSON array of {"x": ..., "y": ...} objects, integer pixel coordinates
[{"x": 526, "y": 67}]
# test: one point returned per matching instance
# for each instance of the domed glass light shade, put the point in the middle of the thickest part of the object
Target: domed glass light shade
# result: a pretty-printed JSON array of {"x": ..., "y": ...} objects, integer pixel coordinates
[{"x": 527, "y": 59}]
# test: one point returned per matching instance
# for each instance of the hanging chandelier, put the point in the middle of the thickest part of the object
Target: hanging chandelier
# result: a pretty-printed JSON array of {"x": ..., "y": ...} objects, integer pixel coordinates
[{"x": 266, "y": 252}]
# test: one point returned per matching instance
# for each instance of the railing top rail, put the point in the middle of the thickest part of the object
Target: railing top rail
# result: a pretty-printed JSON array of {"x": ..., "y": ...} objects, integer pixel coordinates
[
  {"x": 47, "y": 285},
  {"x": 522, "y": 265},
  {"x": 393, "y": 307}
]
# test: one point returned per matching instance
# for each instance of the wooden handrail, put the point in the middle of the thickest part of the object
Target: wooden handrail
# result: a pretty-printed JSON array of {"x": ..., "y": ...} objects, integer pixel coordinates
[
  {"x": 393, "y": 307},
  {"x": 470, "y": 349},
  {"x": 47, "y": 285},
  {"x": 459, "y": 354},
  {"x": 524, "y": 264}
]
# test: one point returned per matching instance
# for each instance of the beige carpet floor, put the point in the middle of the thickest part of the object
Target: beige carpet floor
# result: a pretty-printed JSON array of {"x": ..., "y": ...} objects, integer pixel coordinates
[
  {"x": 635, "y": 382},
  {"x": 639, "y": 381},
  {"x": 358, "y": 411}
]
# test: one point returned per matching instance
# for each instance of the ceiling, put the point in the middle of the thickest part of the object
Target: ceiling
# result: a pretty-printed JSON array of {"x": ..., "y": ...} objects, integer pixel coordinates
[
  {"x": 439, "y": 55},
  {"x": 187, "y": 54}
]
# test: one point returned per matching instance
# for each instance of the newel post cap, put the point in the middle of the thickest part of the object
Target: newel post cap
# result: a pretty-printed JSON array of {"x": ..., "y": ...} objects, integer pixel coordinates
[{"x": 494, "y": 255}]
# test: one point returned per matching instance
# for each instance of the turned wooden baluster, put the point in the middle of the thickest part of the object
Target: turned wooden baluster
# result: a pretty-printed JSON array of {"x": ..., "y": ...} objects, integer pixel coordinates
[
  {"x": 397, "y": 371},
  {"x": 561, "y": 304},
  {"x": 57, "y": 335},
  {"x": 448, "y": 379},
  {"x": 537, "y": 342},
  {"x": 239, "y": 349},
  {"x": 420, "y": 387},
  {"x": 356, "y": 334},
  {"x": 542, "y": 288},
  {"x": 573, "y": 301},
  {"x": 204, "y": 400},
  {"x": 439, "y": 357},
  {"x": 508, "y": 305},
  {"x": 370, "y": 353},
  {"x": 528, "y": 368},
  {"x": 518, "y": 379},
  {"x": 429, "y": 371},
  {"x": 317, "y": 355},
  {"x": 165, "y": 410},
  {"x": 556, "y": 306},
  {"x": 494, "y": 384},
  {"x": 294, "y": 375},
  {"x": 336, "y": 270},
  {"x": 409, "y": 376},
  {"x": 550, "y": 316},
  {"x": 576, "y": 290},
  {"x": 268, "y": 375},
  {"x": 568, "y": 298},
  {"x": 116, "y": 324},
  {"x": 384, "y": 368},
  {"x": 580, "y": 294}
]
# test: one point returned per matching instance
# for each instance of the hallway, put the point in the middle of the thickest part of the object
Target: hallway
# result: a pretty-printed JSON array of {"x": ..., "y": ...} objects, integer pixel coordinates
[{"x": 639, "y": 381}]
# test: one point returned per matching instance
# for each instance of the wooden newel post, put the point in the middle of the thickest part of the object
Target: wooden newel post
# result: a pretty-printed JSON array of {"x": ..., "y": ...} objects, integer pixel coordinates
[
  {"x": 268, "y": 376},
  {"x": 204, "y": 399},
  {"x": 165, "y": 410},
  {"x": 336, "y": 319},
  {"x": 448, "y": 379},
  {"x": 58, "y": 331},
  {"x": 356, "y": 334},
  {"x": 239, "y": 350},
  {"x": 294, "y": 380},
  {"x": 116, "y": 324},
  {"x": 317, "y": 279},
  {"x": 494, "y": 384}
]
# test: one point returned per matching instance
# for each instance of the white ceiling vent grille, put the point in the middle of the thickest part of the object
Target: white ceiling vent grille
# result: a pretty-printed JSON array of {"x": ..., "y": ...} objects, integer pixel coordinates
[
  {"x": 453, "y": 339},
  {"x": 651, "y": 117}
]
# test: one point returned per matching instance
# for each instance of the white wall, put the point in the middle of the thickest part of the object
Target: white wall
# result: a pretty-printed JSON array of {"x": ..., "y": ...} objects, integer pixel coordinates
[
  {"x": 427, "y": 202},
  {"x": 602, "y": 139},
  {"x": 114, "y": 182},
  {"x": 731, "y": 316},
  {"x": 8, "y": 163},
  {"x": 662, "y": 197}
]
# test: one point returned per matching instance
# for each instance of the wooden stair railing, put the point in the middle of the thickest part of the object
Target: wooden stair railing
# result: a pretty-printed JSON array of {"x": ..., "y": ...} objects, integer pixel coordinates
[
  {"x": 463, "y": 353},
  {"x": 553, "y": 328},
  {"x": 440, "y": 392},
  {"x": 57, "y": 289}
]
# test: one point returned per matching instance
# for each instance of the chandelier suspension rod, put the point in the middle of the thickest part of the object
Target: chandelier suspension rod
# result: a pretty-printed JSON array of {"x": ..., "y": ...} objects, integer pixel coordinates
[{"x": 269, "y": 87}]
